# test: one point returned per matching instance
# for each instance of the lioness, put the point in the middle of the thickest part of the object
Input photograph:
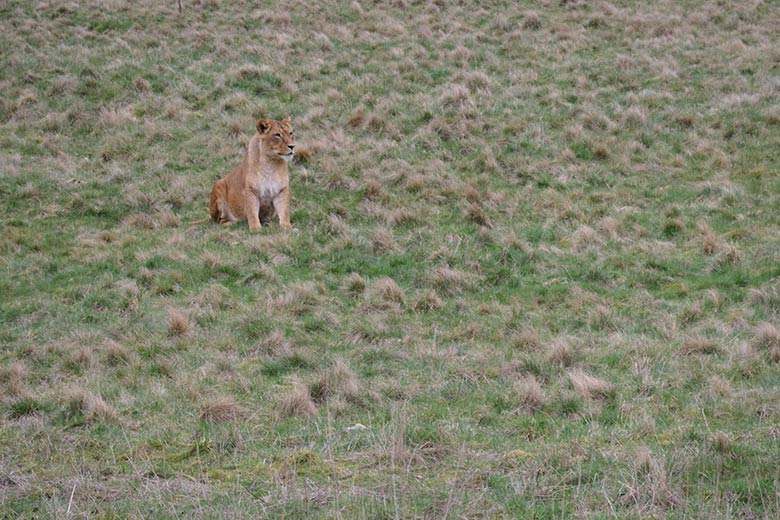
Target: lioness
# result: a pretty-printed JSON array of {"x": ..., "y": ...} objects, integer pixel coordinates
[{"x": 259, "y": 185}]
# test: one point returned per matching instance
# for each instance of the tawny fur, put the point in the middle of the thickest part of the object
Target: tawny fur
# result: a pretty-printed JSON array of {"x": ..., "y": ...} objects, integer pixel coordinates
[{"x": 260, "y": 185}]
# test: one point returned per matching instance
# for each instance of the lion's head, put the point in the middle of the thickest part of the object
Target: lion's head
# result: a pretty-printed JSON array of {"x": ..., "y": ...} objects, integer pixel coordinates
[{"x": 277, "y": 138}]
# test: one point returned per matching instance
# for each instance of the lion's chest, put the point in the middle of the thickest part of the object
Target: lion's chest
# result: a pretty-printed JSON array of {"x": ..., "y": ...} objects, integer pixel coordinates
[
  {"x": 267, "y": 191},
  {"x": 268, "y": 187}
]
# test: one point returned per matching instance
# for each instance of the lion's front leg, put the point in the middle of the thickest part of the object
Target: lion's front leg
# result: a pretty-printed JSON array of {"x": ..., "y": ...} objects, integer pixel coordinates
[
  {"x": 282, "y": 207},
  {"x": 252, "y": 210}
]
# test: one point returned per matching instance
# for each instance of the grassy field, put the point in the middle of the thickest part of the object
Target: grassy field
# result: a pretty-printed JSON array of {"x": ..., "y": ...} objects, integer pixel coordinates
[{"x": 537, "y": 272}]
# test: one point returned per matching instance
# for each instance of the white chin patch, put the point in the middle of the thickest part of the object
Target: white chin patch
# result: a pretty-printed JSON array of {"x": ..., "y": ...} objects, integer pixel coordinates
[{"x": 287, "y": 157}]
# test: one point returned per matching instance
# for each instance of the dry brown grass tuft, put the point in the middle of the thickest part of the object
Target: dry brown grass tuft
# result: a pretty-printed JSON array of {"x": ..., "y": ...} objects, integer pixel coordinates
[
  {"x": 400, "y": 216},
  {"x": 246, "y": 71},
  {"x": 589, "y": 386},
  {"x": 585, "y": 237},
  {"x": 529, "y": 393},
  {"x": 766, "y": 336},
  {"x": 594, "y": 120},
  {"x": 372, "y": 329},
  {"x": 354, "y": 284},
  {"x": 236, "y": 102},
  {"x": 342, "y": 380},
  {"x": 574, "y": 132},
  {"x": 55, "y": 122},
  {"x": 168, "y": 219},
  {"x": 142, "y": 86},
  {"x": 601, "y": 152},
  {"x": 532, "y": 21},
  {"x": 213, "y": 297},
  {"x": 375, "y": 190},
  {"x": 64, "y": 84},
  {"x": 178, "y": 323},
  {"x": 457, "y": 97},
  {"x": 304, "y": 152},
  {"x": 478, "y": 81},
  {"x": 698, "y": 345},
  {"x": 81, "y": 357},
  {"x": 91, "y": 406},
  {"x": 472, "y": 194},
  {"x": 116, "y": 116},
  {"x": 297, "y": 402},
  {"x": 116, "y": 354},
  {"x": 389, "y": 291},
  {"x": 15, "y": 378},
  {"x": 526, "y": 340},
  {"x": 476, "y": 213},
  {"x": 767, "y": 296},
  {"x": 449, "y": 280},
  {"x": 462, "y": 54},
  {"x": 634, "y": 117},
  {"x": 644, "y": 461},
  {"x": 337, "y": 227},
  {"x": 223, "y": 409},
  {"x": 560, "y": 353},
  {"x": 428, "y": 301},
  {"x": 730, "y": 254},
  {"x": 720, "y": 442},
  {"x": 339, "y": 382},
  {"x": 652, "y": 484},
  {"x": 610, "y": 227},
  {"x": 366, "y": 120},
  {"x": 719, "y": 387},
  {"x": 235, "y": 128},
  {"x": 274, "y": 345},
  {"x": 211, "y": 259},
  {"x": 140, "y": 220},
  {"x": 384, "y": 242},
  {"x": 299, "y": 298},
  {"x": 358, "y": 118},
  {"x": 601, "y": 317}
]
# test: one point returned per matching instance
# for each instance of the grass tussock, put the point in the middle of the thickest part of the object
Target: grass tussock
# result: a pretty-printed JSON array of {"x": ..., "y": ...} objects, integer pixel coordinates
[
  {"x": 560, "y": 353},
  {"x": 529, "y": 393},
  {"x": 427, "y": 302},
  {"x": 589, "y": 386},
  {"x": 220, "y": 410},
  {"x": 354, "y": 284},
  {"x": 766, "y": 336},
  {"x": 449, "y": 280},
  {"x": 386, "y": 294},
  {"x": 90, "y": 406},
  {"x": 14, "y": 378},
  {"x": 698, "y": 345},
  {"x": 179, "y": 323},
  {"x": 116, "y": 354},
  {"x": 526, "y": 340},
  {"x": 274, "y": 345},
  {"x": 297, "y": 299},
  {"x": 297, "y": 402},
  {"x": 651, "y": 485},
  {"x": 338, "y": 386},
  {"x": 384, "y": 242}
]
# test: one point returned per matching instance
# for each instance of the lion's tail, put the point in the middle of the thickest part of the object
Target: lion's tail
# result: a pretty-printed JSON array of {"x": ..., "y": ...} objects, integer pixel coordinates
[{"x": 201, "y": 221}]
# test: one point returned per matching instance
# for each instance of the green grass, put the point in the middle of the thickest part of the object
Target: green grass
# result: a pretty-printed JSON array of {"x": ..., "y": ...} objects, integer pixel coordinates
[{"x": 535, "y": 274}]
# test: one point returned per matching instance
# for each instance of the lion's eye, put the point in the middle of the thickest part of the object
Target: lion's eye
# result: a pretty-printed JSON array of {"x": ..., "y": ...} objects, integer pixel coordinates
[{"x": 278, "y": 136}]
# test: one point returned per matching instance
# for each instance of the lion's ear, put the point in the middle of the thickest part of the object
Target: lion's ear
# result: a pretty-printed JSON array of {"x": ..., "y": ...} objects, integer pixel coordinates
[
  {"x": 286, "y": 120},
  {"x": 263, "y": 125}
]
